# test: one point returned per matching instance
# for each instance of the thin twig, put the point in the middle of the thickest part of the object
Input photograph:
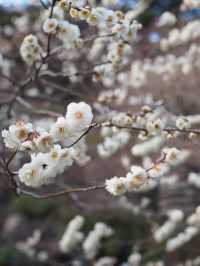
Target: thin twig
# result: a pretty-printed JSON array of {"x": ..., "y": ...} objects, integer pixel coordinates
[
  {"x": 58, "y": 194},
  {"x": 43, "y": 4},
  {"x": 84, "y": 134}
]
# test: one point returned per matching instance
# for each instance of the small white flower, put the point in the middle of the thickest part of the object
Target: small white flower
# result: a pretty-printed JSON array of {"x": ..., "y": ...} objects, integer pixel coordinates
[
  {"x": 60, "y": 130},
  {"x": 95, "y": 17},
  {"x": 167, "y": 19},
  {"x": 60, "y": 159},
  {"x": 43, "y": 142},
  {"x": 136, "y": 178},
  {"x": 79, "y": 116},
  {"x": 36, "y": 173},
  {"x": 44, "y": 167},
  {"x": 154, "y": 127},
  {"x": 182, "y": 122},
  {"x": 68, "y": 33},
  {"x": 50, "y": 25},
  {"x": 116, "y": 185},
  {"x": 126, "y": 30},
  {"x": 30, "y": 49},
  {"x": 16, "y": 135},
  {"x": 172, "y": 155}
]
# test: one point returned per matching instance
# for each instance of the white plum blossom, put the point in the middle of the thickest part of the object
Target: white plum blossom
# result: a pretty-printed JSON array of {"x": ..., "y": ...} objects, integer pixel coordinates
[
  {"x": 30, "y": 49},
  {"x": 44, "y": 167},
  {"x": 172, "y": 155},
  {"x": 154, "y": 127},
  {"x": 136, "y": 177},
  {"x": 60, "y": 158},
  {"x": 57, "y": 13},
  {"x": 147, "y": 147},
  {"x": 183, "y": 122},
  {"x": 60, "y": 129},
  {"x": 44, "y": 142},
  {"x": 116, "y": 185},
  {"x": 167, "y": 19},
  {"x": 50, "y": 25},
  {"x": 39, "y": 142},
  {"x": 16, "y": 135},
  {"x": 68, "y": 33},
  {"x": 112, "y": 142},
  {"x": 36, "y": 173},
  {"x": 79, "y": 116},
  {"x": 126, "y": 30}
]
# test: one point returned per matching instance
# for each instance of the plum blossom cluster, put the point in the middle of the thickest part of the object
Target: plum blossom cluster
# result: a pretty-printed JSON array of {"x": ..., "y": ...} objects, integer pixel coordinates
[
  {"x": 191, "y": 230},
  {"x": 29, "y": 247},
  {"x": 118, "y": 31},
  {"x": 164, "y": 66},
  {"x": 90, "y": 244},
  {"x": 148, "y": 146},
  {"x": 72, "y": 236},
  {"x": 64, "y": 30},
  {"x": 182, "y": 238},
  {"x": 138, "y": 177},
  {"x": 114, "y": 139},
  {"x": 114, "y": 26},
  {"x": 177, "y": 37},
  {"x": 48, "y": 157}
]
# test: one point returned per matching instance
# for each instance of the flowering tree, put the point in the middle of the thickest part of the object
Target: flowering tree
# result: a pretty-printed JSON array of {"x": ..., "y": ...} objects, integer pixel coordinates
[{"x": 72, "y": 47}]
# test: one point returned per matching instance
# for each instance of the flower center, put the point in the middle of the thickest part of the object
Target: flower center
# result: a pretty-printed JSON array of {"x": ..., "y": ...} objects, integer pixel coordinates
[
  {"x": 45, "y": 141},
  {"x": 78, "y": 115},
  {"x": 54, "y": 155},
  {"x": 33, "y": 173},
  {"x": 22, "y": 134},
  {"x": 62, "y": 130}
]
